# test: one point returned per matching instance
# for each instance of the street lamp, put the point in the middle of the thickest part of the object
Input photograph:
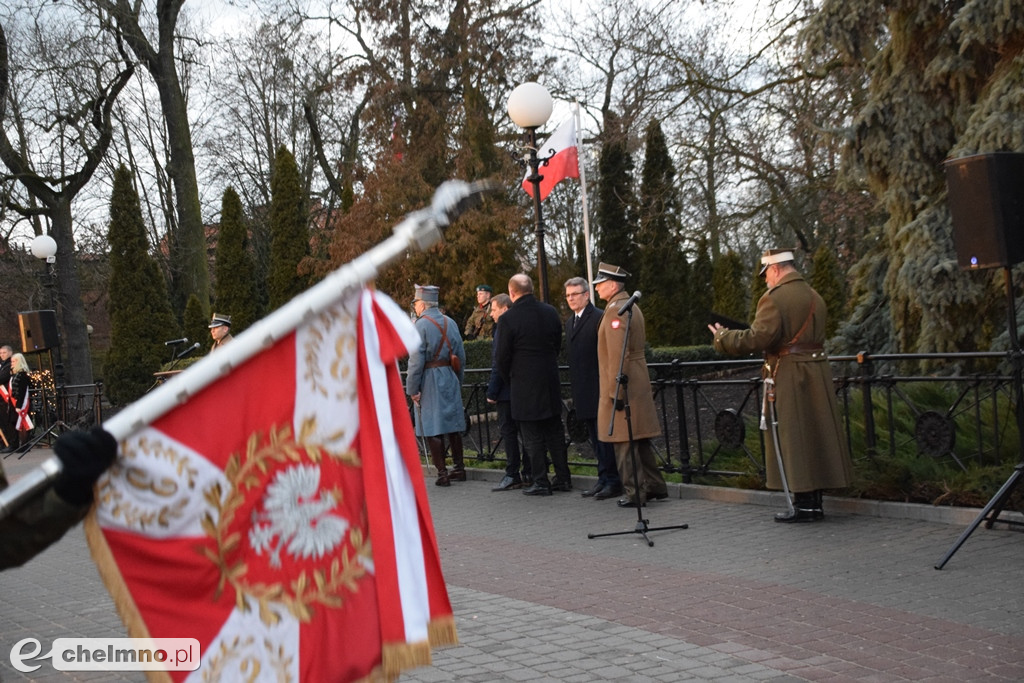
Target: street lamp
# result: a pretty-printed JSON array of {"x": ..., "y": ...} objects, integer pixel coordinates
[
  {"x": 44, "y": 248},
  {"x": 529, "y": 107}
]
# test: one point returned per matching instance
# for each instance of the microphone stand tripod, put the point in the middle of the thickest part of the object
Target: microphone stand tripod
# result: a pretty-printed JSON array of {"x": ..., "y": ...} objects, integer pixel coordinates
[
  {"x": 990, "y": 513},
  {"x": 622, "y": 384}
]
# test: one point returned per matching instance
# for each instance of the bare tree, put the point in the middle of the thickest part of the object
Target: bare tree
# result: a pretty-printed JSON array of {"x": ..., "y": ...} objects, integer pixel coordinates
[
  {"x": 61, "y": 86},
  {"x": 153, "y": 40}
]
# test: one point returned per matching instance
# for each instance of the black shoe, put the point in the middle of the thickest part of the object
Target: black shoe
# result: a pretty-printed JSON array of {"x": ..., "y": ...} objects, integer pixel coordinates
[
  {"x": 537, "y": 490},
  {"x": 657, "y": 496},
  {"x": 508, "y": 483},
  {"x": 796, "y": 516},
  {"x": 592, "y": 491},
  {"x": 457, "y": 474},
  {"x": 562, "y": 486},
  {"x": 628, "y": 503},
  {"x": 608, "y": 491}
]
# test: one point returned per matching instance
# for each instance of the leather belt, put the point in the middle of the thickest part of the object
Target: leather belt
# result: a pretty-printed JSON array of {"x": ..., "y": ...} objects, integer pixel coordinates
[
  {"x": 798, "y": 349},
  {"x": 437, "y": 363}
]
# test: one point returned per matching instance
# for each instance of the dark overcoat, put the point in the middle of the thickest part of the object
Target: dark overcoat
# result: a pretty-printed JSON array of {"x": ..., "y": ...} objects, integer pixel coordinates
[
  {"x": 814, "y": 450},
  {"x": 440, "y": 388},
  {"x": 581, "y": 349},
  {"x": 497, "y": 388},
  {"x": 611, "y": 332},
  {"x": 529, "y": 340},
  {"x": 35, "y": 525}
]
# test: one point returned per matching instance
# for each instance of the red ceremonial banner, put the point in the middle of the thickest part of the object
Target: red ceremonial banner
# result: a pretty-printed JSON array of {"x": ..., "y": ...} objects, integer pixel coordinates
[{"x": 280, "y": 516}]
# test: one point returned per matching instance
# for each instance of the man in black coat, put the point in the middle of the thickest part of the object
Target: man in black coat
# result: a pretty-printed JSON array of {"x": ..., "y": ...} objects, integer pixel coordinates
[
  {"x": 499, "y": 394},
  {"x": 529, "y": 339},
  {"x": 585, "y": 379}
]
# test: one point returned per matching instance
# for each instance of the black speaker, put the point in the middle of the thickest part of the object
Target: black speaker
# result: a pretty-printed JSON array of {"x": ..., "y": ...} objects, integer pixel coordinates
[
  {"x": 986, "y": 202},
  {"x": 38, "y": 330}
]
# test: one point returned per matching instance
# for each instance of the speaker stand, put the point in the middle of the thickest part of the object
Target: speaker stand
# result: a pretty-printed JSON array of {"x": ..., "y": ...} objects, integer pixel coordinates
[{"x": 995, "y": 506}]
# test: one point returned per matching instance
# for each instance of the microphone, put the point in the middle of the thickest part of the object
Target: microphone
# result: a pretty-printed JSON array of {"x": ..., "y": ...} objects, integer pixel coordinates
[
  {"x": 629, "y": 302},
  {"x": 18, "y": 493},
  {"x": 187, "y": 351},
  {"x": 175, "y": 342}
]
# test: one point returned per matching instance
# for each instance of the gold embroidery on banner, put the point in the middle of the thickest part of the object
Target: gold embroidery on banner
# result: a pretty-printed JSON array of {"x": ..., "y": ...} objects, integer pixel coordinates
[
  {"x": 249, "y": 667},
  {"x": 318, "y": 352},
  {"x": 129, "y": 510},
  {"x": 321, "y": 586}
]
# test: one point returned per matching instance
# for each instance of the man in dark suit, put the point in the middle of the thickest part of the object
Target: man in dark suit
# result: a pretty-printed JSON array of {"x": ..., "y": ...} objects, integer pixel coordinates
[
  {"x": 499, "y": 394},
  {"x": 529, "y": 339},
  {"x": 585, "y": 379}
]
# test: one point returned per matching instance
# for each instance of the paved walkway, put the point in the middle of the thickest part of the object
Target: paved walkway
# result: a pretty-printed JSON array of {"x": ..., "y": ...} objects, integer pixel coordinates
[{"x": 735, "y": 597}]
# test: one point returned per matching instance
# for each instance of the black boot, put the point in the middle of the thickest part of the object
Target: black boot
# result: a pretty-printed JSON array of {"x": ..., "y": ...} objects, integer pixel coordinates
[
  {"x": 819, "y": 513},
  {"x": 803, "y": 509},
  {"x": 436, "y": 446},
  {"x": 458, "y": 472}
]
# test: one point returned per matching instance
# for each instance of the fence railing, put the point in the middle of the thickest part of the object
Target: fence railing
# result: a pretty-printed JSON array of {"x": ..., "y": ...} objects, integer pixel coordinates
[
  {"x": 710, "y": 411},
  {"x": 77, "y": 405}
]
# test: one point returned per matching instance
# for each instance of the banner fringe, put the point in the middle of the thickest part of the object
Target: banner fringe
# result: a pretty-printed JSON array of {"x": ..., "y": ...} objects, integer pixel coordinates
[
  {"x": 111, "y": 576},
  {"x": 397, "y": 657},
  {"x": 441, "y": 632}
]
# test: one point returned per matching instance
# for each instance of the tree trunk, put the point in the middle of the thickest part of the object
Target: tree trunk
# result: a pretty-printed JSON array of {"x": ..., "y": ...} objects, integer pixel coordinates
[{"x": 75, "y": 354}]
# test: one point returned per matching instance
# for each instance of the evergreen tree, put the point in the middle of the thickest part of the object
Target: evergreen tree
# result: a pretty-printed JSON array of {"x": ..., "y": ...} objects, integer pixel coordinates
[
  {"x": 730, "y": 295},
  {"x": 660, "y": 267},
  {"x": 196, "y": 323},
  {"x": 699, "y": 296},
  {"x": 614, "y": 196},
  {"x": 826, "y": 279},
  {"x": 289, "y": 235},
  {"x": 758, "y": 286},
  {"x": 944, "y": 81},
  {"x": 141, "y": 318},
  {"x": 234, "y": 272}
]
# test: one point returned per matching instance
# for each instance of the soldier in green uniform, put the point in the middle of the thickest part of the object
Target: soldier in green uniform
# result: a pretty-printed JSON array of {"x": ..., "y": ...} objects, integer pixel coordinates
[
  {"x": 44, "y": 517},
  {"x": 480, "y": 325},
  {"x": 789, "y": 329}
]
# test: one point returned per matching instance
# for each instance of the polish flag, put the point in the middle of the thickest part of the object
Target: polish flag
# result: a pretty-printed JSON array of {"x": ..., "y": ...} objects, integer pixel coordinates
[{"x": 563, "y": 162}]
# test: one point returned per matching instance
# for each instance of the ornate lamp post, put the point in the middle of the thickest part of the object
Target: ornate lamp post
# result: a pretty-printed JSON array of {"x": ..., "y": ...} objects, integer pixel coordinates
[{"x": 529, "y": 107}]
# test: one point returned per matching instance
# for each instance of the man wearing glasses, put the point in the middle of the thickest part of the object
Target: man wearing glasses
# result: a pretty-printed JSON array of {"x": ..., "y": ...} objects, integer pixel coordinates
[{"x": 584, "y": 378}]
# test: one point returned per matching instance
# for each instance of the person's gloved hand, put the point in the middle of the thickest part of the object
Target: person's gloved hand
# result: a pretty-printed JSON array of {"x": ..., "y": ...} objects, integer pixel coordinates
[{"x": 84, "y": 457}]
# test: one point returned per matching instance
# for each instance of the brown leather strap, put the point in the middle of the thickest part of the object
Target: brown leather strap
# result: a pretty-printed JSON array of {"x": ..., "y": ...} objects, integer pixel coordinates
[
  {"x": 799, "y": 348},
  {"x": 796, "y": 337},
  {"x": 444, "y": 341},
  {"x": 437, "y": 363}
]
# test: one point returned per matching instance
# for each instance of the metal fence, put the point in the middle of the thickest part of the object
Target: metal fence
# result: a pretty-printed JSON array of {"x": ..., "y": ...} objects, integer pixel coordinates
[
  {"x": 58, "y": 408},
  {"x": 957, "y": 408}
]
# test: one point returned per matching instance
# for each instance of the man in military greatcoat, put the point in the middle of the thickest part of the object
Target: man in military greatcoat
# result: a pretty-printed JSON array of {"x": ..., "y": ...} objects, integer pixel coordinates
[
  {"x": 611, "y": 335},
  {"x": 789, "y": 329},
  {"x": 434, "y": 383}
]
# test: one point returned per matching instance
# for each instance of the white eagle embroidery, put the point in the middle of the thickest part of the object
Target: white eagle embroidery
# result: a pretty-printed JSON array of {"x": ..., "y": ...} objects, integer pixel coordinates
[{"x": 300, "y": 521}]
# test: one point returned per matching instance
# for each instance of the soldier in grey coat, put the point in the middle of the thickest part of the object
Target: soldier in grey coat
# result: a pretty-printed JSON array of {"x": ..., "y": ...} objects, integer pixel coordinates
[
  {"x": 434, "y": 383},
  {"x": 789, "y": 328}
]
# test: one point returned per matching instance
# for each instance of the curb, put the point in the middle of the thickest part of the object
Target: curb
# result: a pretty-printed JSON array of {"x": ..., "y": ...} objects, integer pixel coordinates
[{"x": 937, "y": 514}]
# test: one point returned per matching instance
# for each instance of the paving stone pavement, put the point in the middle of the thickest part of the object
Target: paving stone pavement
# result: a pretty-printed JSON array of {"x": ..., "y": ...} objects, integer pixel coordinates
[{"x": 733, "y": 597}]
